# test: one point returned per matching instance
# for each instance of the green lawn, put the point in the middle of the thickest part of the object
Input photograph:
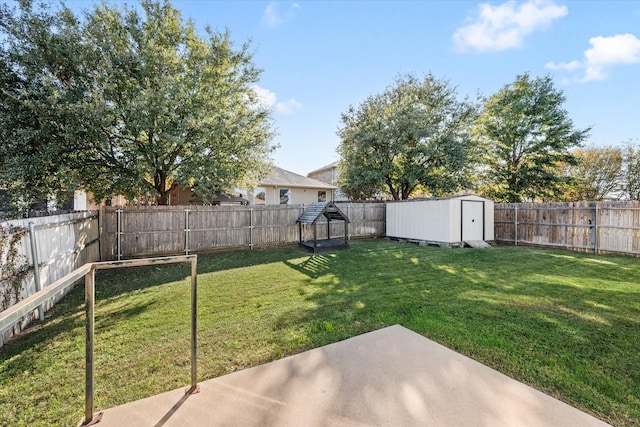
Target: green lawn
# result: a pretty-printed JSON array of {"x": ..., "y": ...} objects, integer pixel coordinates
[{"x": 566, "y": 323}]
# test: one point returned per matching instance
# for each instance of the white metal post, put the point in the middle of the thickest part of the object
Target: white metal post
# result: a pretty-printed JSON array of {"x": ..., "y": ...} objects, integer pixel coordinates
[{"x": 36, "y": 265}]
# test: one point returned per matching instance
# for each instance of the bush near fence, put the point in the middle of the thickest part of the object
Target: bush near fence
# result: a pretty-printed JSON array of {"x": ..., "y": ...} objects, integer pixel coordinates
[{"x": 599, "y": 227}]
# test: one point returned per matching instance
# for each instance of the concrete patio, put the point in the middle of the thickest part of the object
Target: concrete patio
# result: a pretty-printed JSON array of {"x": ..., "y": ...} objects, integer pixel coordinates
[{"x": 390, "y": 377}]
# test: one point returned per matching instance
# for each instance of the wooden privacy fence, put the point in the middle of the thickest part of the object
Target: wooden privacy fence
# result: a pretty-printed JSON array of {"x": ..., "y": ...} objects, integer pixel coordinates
[
  {"x": 610, "y": 226},
  {"x": 53, "y": 247},
  {"x": 153, "y": 230}
]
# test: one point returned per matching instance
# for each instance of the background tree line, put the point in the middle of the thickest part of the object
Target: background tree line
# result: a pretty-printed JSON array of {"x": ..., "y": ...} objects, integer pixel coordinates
[
  {"x": 603, "y": 172},
  {"x": 418, "y": 137},
  {"x": 135, "y": 102}
]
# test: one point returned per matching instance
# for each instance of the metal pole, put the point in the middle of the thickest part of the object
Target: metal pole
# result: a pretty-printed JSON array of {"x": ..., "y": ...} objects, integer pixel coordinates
[
  {"x": 89, "y": 287},
  {"x": 186, "y": 231},
  {"x": 595, "y": 237},
  {"x": 194, "y": 320},
  {"x": 119, "y": 231},
  {"x": 515, "y": 219},
  {"x": 36, "y": 265}
]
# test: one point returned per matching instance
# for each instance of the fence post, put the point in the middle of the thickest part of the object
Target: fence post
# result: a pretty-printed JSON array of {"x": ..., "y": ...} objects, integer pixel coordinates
[
  {"x": 118, "y": 232},
  {"x": 345, "y": 224},
  {"x": 36, "y": 265},
  {"x": 251, "y": 228},
  {"x": 596, "y": 231},
  {"x": 186, "y": 231},
  {"x": 515, "y": 222}
]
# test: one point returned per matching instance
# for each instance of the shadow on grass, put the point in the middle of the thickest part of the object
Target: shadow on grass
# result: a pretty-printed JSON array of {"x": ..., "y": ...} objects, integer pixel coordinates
[
  {"x": 210, "y": 263},
  {"x": 67, "y": 317},
  {"x": 568, "y": 323},
  {"x": 315, "y": 265},
  {"x": 68, "y": 314}
]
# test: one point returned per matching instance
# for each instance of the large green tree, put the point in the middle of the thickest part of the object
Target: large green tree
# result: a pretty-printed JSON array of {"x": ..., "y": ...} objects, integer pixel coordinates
[
  {"x": 414, "y": 135},
  {"x": 35, "y": 118},
  {"x": 526, "y": 135},
  {"x": 128, "y": 102}
]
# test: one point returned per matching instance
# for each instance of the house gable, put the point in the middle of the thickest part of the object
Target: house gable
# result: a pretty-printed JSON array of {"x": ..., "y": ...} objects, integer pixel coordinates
[{"x": 285, "y": 187}]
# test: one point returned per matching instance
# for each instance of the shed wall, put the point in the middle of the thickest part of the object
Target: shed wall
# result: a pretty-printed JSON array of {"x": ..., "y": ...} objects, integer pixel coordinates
[
  {"x": 434, "y": 220},
  {"x": 421, "y": 220},
  {"x": 488, "y": 220}
]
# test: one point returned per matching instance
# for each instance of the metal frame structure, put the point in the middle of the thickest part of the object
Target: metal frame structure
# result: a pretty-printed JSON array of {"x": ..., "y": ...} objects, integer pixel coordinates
[
  {"x": 14, "y": 313},
  {"x": 311, "y": 215}
]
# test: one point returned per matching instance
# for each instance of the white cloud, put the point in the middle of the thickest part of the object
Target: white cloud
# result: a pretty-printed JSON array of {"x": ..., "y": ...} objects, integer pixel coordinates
[
  {"x": 566, "y": 66},
  {"x": 610, "y": 51},
  {"x": 268, "y": 99},
  {"x": 288, "y": 107},
  {"x": 273, "y": 17},
  {"x": 605, "y": 53},
  {"x": 505, "y": 26}
]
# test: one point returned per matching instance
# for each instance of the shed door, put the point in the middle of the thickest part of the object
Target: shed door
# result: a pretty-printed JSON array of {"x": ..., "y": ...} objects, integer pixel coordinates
[{"x": 472, "y": 220}]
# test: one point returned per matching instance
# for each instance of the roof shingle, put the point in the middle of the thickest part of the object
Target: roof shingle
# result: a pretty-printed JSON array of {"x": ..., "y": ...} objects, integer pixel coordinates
[{"x": 283, "y": 178}]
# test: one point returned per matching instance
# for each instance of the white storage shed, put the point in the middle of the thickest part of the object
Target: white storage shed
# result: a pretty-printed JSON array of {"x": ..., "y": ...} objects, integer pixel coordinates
[{"x": 448, "y": 221}]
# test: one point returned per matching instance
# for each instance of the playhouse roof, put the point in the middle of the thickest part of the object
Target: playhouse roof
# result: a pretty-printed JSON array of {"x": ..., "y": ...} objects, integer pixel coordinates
[{"x": 327, "y": 209}]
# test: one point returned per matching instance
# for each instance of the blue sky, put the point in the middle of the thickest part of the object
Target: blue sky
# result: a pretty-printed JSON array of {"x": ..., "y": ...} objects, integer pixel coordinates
[{"x": 319, "y": 57}]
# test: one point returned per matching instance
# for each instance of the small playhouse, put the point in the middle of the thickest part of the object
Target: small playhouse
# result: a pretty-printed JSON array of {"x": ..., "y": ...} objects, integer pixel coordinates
[
  {"x": 452, "y": 221},
  {"x": 311, "y": 217}
]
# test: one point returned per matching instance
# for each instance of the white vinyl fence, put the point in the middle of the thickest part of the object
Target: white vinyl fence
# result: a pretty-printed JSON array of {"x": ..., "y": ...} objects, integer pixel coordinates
[{"x": 61, "y": 244}]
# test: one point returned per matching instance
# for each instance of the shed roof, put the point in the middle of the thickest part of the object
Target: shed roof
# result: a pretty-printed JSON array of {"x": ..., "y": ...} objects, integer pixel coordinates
[
  {"x": 468, "y": 196},
  {"x": 327, "y": 209},
  {"x": 283, "y": 178}
]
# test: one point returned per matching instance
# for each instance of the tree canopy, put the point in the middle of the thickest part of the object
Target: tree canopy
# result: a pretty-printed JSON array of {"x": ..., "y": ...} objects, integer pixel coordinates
[
  {"x": 597, "y": 174},
  {"x": 127, "y": 102},
  {"x": 413, "y": 135},
  {"x": 525, "y": 135}
]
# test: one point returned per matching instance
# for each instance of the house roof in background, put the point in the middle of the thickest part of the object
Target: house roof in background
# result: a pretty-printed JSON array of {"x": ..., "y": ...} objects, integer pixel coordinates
[
  {"x": 327, "y": 167},
  {"x": 283, "y": 178}
]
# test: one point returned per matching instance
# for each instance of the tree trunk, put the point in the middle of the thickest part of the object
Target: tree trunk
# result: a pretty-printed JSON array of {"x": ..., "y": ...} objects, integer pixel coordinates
[
  {"x": 406, "y": 191},
  {"x": 392, "y": 189},
  {"x": 160, "y": 184}
]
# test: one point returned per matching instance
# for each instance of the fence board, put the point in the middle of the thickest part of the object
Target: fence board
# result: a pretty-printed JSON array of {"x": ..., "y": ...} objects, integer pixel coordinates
[
  {"x": 610, "y": 226},
  {"x": 149, "y": 231}
]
